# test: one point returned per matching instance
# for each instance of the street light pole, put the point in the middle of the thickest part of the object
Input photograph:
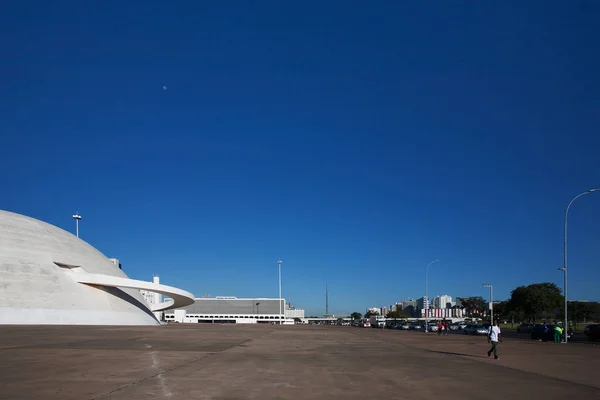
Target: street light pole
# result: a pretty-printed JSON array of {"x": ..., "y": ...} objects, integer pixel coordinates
[
  {"x": 566, "y": 325},
  {"x": 491, "y": 303},
  {"x": 427, "y": 296},
  {"x": 280, "y": 312},
  {"x": 76, "y": 217}
]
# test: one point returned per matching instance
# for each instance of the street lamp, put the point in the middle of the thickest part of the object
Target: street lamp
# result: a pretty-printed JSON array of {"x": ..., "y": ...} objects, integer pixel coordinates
[
  {"x": 427, "y": 297},
  {"x": 280, "y": 312},
  {"x": 564, "y": 268},
  {"x": 257, "y": 309},
  {"x": 491, "y": 303},
  {"x": 76, "y": 217}
]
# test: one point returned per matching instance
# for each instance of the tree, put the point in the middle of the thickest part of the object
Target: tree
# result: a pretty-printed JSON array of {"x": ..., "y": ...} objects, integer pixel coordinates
[
  {"x": 409, "y": 311},
  {"x": 536, "y": 301},
  {"x": 396, "y": 314},
  {"x": 474, "y": 305},
  {"x": 501, "y": 310},
  {"x": 581, "y": 311},
  {"x": 355, "y": 315}
]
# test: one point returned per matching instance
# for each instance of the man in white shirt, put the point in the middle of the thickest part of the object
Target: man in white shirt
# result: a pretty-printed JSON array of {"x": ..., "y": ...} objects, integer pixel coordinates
[{"x": 494, "y": 337}]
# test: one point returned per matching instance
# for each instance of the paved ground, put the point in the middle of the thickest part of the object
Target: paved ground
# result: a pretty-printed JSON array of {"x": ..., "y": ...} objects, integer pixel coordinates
[{"x": 290, "y": 362}]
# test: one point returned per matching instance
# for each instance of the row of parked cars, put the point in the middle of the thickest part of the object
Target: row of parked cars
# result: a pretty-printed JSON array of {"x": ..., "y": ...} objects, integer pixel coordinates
[{"x": 465, "y": 327}]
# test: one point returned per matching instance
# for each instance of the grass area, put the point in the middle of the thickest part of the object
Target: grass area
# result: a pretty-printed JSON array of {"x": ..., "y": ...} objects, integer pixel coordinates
[{"x": 508, "y": 327}]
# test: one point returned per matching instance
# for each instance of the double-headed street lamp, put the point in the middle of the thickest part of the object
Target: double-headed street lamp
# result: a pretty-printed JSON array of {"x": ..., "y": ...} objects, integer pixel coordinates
[
  {"x": 427, "y": 297},
  {"x": 564, "y": 268},
  {"x": 77, "y": 217},
  {"x": 491, "y": 302}
]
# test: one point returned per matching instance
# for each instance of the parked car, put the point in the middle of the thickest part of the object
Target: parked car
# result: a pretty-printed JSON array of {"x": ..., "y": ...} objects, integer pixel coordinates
[
  {"x": 525, "y": 328},
  {"x": 592, "y": 332},
  {"x": 476, "y": 329},
  {"x": 405, "y": 326},
  {"x": 415, "y": 326},
  {"x": 462, "y": 325},
  {"x": 453, "y": 326},
  {"x": 538, "y": 333},
  {"x": 432, "y": 327}
]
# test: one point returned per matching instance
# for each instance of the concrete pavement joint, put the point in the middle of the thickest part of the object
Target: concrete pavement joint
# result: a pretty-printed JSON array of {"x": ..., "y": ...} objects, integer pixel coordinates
[{"x": 160, "y": 374}]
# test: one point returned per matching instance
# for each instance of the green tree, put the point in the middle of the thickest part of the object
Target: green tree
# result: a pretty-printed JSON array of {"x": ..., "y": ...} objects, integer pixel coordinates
[
  {"x": 501, "y": 310},
  {"x": 474, "y": 305},
  {"x": 396, "y": 315},
  {"x": 536, "y": 301},
  {"x": 355, "y": 315},
  {"x": 581, "y": 311}
]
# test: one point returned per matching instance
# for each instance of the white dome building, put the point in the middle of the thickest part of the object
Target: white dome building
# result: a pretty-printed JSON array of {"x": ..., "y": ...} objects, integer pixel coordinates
[{"x": 49, "y": 276}]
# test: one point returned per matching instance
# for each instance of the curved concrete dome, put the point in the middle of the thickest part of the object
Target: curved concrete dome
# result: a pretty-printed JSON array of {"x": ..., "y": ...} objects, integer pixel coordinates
[{"x": 49, "y": 276}]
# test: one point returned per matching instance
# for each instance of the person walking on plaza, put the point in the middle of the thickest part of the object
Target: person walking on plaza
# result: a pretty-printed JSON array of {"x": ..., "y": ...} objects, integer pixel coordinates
[
  {"x": 440, "y": 327},
  {"x": 557, "y": 334},
  {"x": 494, "y": 337}
]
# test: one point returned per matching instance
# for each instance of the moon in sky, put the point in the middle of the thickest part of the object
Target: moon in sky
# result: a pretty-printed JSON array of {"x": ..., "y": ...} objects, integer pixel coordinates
[{"x": 164, "y": 87}]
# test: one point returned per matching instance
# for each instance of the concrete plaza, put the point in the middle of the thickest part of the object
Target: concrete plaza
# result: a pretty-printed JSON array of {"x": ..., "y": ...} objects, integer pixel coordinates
[{"x": 205, "y": 361}]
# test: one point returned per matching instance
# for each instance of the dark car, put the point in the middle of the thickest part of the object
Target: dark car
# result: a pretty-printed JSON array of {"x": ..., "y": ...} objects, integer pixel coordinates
[
  {"x": 592, "y": 332},
  {"x": 525, "y": 328},
  {"x": 537, "y": 333}
]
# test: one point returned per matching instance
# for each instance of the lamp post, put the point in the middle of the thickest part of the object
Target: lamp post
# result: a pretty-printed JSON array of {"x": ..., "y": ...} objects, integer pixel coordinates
[
  {"x": 76, "y": 217},
  {"x": 564, "y": 268},
  {"x": 491, "y": 303},
  {"x": 257, "y": 309},
  {"x": 280, "y": 312},
  {"x": 427, "y": 297}
]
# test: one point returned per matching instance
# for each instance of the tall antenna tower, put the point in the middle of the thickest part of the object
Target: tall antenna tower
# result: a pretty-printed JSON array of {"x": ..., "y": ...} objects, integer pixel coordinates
[{"x": 326, "y": 299}]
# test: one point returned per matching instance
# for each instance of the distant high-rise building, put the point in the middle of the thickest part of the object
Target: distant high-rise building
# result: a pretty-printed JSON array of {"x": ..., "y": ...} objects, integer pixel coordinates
[
  {"x": 422, "y": 303},
  {"x": 373, "y": 310},
  {"x": 443, "y": 301},
  {"x": 409, "y": 303}
]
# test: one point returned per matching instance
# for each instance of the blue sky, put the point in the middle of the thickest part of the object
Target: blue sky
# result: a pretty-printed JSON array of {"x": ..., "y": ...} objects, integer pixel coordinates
[{"x": 357, "y": 143}]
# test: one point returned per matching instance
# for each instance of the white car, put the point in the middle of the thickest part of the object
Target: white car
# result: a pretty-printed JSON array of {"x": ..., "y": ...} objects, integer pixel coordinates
[{"x": 432, "y": 327}]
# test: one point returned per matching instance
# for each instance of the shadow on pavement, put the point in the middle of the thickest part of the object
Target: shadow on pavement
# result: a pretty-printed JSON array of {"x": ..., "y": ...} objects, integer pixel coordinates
[{"x": 450, "y": 353}]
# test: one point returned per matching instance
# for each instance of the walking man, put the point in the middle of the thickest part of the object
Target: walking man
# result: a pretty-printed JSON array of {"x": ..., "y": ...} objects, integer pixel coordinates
[{"x": 494, "y": 337}]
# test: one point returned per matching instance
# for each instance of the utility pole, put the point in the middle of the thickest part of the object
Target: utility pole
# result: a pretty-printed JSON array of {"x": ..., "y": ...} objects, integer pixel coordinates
[
  {"x": 326, "y": 300},
  {"x": 564, "y": 268},
  {"x": 491, "y": 302},
  {"x": 280, "y": 308},
  {"x": 427, "y": 297}
]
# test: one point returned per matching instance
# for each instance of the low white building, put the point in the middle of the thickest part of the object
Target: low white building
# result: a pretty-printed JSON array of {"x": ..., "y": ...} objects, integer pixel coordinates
[{"x": 226, "y": 309}]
